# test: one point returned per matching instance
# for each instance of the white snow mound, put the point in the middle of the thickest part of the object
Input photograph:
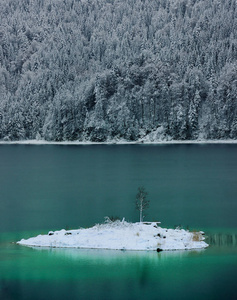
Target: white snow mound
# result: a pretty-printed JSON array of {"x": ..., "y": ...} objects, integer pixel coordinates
[{"x": 121, "y": 235}]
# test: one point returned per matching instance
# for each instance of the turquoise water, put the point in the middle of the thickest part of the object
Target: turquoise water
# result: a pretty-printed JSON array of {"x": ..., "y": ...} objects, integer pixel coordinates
[{"x": 52, "y": 187}]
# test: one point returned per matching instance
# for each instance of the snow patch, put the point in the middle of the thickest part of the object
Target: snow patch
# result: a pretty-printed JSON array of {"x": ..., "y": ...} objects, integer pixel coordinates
[
  {"x": 157, "y": 136},
  {"x": 151, "y": 138},
  {"x": 121, "y": 235}
]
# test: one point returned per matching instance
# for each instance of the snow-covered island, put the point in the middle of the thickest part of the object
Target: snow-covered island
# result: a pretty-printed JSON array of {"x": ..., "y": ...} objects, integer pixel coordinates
[{"x": 121, "y": 235}]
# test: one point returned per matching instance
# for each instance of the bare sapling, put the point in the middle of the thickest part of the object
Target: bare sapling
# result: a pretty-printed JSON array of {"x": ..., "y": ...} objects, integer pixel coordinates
[{"x": 141, "y": 201}]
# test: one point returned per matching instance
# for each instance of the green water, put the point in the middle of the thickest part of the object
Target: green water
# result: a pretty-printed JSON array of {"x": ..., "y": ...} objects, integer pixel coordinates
[{"x": 47, "y": 187}]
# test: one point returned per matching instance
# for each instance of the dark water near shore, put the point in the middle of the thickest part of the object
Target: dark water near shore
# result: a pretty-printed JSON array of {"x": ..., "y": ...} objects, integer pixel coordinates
[{"x": 50, "y": 187}]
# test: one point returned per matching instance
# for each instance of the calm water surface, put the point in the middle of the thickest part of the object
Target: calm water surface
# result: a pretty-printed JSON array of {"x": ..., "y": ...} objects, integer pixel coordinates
[{"x": 50, "y": 187}]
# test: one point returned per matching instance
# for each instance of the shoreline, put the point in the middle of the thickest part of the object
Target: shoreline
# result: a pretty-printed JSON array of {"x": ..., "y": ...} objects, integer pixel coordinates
[
  {"x": 121, "y": 235},
  {"x": 75, "y": 143}
]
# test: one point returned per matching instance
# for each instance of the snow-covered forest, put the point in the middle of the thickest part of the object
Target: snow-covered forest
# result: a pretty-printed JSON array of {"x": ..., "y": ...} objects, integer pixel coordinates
[{"x": 99, "y": 70}]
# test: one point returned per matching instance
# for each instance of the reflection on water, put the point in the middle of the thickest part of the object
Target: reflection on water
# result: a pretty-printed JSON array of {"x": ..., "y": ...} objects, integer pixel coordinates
[
  {"x": 55, "y": 273},
  {"x": 115, "y": 256},
  {"x": 222, "y": 239}
]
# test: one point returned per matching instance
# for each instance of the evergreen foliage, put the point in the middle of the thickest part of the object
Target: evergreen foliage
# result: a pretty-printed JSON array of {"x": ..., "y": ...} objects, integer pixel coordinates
[{"x": 113, "y": 69}]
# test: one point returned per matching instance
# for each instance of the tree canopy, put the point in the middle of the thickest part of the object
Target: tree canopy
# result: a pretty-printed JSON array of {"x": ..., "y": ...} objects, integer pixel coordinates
[{"x": 113, "y": 69}]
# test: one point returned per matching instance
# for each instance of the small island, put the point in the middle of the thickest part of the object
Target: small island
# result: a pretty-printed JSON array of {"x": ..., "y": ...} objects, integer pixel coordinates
[{"x": 121, "y": 235}]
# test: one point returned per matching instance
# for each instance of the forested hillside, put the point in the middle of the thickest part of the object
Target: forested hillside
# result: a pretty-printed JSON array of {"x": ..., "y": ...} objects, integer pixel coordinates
[{"x": 99, "y": 70}]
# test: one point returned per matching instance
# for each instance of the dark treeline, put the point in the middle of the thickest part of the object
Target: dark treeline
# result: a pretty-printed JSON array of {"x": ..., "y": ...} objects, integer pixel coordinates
[{"x": 118, "y": 69}]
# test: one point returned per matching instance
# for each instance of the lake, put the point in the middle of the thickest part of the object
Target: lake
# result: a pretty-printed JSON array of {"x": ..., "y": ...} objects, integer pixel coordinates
[{"x": 50, "y": 187}]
